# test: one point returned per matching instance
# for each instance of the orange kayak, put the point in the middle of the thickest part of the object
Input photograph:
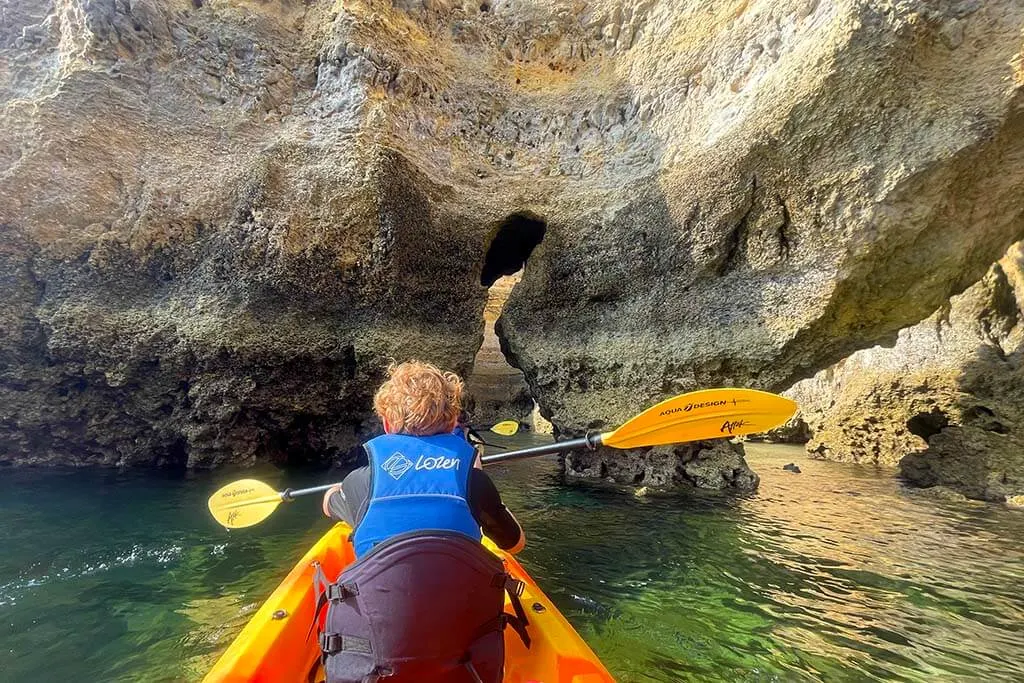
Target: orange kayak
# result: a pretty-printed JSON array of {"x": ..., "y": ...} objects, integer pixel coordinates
[{"x": 274, "y": 647}]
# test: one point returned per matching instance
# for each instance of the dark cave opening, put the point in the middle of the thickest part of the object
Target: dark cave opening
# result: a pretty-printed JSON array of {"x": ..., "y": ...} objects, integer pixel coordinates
[
  {"x": 512, "y": 245},
  {"x": 497, "y": 388},
  {"x": 927, "y": 425}
]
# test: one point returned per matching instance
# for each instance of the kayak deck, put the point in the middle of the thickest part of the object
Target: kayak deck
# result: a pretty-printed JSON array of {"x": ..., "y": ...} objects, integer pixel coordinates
[{"x": 274, "y": 645}]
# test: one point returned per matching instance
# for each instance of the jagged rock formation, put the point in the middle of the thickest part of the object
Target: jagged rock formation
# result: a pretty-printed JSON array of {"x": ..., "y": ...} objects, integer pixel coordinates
[
  {"x": 945, "y": 404},
  {"x": 220, "y": 218},
  {"x": 708, "y": 464},
  {"x": 794, "y": 431}
]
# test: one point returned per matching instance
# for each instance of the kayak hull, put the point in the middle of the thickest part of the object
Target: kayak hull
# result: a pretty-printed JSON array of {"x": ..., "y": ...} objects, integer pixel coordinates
[{"x": 276, "y": 644}]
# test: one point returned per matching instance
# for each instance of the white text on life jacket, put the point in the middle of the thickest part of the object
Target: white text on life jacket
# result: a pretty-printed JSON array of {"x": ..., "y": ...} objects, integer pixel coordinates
[{"x": 437, "y": 463}]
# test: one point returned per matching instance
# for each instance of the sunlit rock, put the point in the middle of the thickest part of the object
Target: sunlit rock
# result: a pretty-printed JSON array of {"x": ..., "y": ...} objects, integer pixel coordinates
[
  {"x": 219, "y": 221},
  {"x": 945, "y": 404}
]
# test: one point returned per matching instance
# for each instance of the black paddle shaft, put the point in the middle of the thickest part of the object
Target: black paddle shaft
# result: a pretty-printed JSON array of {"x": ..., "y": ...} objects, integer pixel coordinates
[{"x": 589, "y": 442}]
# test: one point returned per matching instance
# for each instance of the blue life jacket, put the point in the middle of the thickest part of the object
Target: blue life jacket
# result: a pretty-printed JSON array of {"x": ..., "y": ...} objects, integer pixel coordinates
[{"x": 419, "y": 483}]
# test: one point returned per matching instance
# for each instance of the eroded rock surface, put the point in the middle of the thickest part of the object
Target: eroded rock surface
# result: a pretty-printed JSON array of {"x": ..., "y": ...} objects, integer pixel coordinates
[
  {"x": 945, "y": 404},
  {"x": 220, "y": 219},
  {"x": 819, "y": 187},
  {"x": 707, "y": 464},
  {"x": 209, "y": 254}
]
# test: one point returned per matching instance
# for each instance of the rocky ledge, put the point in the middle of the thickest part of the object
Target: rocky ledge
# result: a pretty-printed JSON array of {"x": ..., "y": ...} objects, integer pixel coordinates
[{"x": 944, "y": 404}]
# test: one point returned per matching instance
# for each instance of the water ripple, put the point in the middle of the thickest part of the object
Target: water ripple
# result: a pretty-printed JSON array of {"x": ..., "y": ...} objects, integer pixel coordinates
[
  {"x": 159, "y": 555},
  {"x": 835, "y": 574}
]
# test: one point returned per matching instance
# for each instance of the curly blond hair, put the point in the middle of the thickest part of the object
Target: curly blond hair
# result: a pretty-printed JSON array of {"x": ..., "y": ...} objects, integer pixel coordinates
[{"x": 419, "y": 399}]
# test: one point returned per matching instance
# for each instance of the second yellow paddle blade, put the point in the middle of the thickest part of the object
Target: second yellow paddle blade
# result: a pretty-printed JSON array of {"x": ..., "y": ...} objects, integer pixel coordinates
[
  {"x": 705, "y": 414},
  {"x": 506, "y": 428},
  {"x": 243, "y": 503}
]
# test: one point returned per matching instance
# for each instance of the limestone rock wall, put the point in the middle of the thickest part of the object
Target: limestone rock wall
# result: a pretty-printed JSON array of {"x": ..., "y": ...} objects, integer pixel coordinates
[
  {"x": 219, "y": 219},
  {"x": 821, "y": 174},
  {"x": 945, "y": 404},
  {"x": 208, "y": 255}
]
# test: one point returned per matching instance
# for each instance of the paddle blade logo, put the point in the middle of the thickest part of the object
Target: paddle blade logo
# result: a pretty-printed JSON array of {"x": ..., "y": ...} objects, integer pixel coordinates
[
  {"x": 730, "y": 426},
  {"x": 397, "y": 465},
  {"x": 706, "y": 404}
]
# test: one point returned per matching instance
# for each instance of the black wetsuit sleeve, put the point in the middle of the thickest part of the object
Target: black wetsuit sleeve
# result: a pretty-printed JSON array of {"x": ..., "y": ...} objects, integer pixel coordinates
[
  {"x": 349, "y": 504},
  {"x": 497, "y": 522}
]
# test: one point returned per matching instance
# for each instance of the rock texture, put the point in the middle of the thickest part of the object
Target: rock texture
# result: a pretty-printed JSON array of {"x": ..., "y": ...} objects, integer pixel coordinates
[
  {"x": 945, "y": 404},
  {"x": 827, "y": 173},
  {"x": 209, "y": 253},
  {"x": 221, "y": 218},
  {"x": 708, "y": 464}
]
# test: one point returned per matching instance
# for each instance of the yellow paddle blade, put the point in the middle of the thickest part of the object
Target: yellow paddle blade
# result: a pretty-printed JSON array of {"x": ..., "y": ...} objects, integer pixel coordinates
[
  {"x": 506, "y": 428},
  {"x": 705, "y": 414},
  {"x": 243, "y": 503}
]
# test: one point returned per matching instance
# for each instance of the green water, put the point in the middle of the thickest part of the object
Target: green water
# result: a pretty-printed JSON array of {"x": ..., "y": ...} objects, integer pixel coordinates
[{"x": 833, "y": 574}]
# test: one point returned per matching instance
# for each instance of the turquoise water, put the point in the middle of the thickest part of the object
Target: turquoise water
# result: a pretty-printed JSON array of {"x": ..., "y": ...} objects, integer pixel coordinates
[{"x": 834, "y": 574}]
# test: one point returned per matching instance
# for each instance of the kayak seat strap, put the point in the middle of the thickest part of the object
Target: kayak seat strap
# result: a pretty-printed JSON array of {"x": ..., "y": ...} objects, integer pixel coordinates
[
  {"x": 514, "y": 587},
  {"x": 335, "y": 592},
  {"x": 327, "y": 592},
  {"x": 320, "y": 586},
  {"x": 473, "y": 672},
  {"x": 341, "y": 591},
  {"x": 519, "y": 626},
  {"x": 333, "y": 643},
  {"x": 518, "y": 621},
  {"x": 500, "y": 623}
]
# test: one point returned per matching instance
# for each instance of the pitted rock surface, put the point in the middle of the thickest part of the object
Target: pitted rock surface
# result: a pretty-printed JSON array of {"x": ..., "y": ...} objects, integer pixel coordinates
[
  {"x": 221, "y": 218},
  {"x": 945, "y": 404}
]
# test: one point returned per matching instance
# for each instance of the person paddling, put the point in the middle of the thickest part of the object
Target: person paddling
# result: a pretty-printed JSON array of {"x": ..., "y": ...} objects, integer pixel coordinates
[{"x": 425, "y": 600}]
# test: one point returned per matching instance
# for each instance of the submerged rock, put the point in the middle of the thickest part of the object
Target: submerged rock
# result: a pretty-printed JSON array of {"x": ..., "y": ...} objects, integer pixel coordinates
[
  {"x": 945, "y": 404},
  {"x": 942, "y": 494},
  {"x": 219, "y": 221},
  {"x": 794, "y": 431}
]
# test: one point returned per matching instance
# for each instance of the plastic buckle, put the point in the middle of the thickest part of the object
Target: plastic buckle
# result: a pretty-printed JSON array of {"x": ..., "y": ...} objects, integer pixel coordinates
[
  {"x": 331, "y": 643},
  {"x": 341, "y": 592}
]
